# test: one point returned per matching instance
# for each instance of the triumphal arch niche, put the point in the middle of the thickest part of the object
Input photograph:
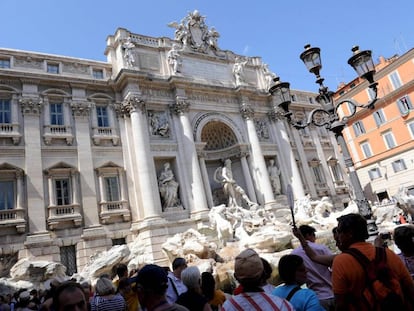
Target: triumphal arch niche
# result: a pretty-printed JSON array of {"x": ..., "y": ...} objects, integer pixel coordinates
[{"x": 223, "y": 140}]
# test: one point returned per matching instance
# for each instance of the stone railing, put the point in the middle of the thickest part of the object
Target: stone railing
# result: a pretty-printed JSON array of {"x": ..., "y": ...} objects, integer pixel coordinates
[
  {"x": 104, "y": 133},
  {"x": 111, "y": 211},
  {"x": 58, "y": 132},
  {"x": 9, "y": 130},
  {"x": 59, "y": 214},
  {"x": 13, "y": 218}
]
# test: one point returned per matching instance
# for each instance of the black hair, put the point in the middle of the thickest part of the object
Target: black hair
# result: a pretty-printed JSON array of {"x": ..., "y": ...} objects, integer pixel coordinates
[
  {"x": 355, "y": 224},
  {"x": 178, "y": 262},
  {"x": 305, "y": 230},
  {"x": 267, "y": 269},
  {"x": 208, "y": 285},
  {"x": 121, "y": 269},
  {"x": 288, "y": 265}
]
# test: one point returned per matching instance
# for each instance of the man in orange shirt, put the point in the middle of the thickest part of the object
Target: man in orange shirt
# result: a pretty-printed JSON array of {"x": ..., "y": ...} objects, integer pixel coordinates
[{"x": 348, "y": 276}]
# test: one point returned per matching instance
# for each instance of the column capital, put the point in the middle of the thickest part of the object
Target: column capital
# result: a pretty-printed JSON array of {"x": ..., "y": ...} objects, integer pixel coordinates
[
  {"x": 133, "y": 103},
  {"x": 276, "y": 115},
  {"x": 180, "y": 106},
  {"x": 31, "y": 105},
  {"x": 80, "y": 108}
]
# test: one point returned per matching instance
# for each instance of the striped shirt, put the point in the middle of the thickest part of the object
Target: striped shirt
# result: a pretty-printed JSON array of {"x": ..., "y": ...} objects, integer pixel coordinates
[
  {"x": 256, "y": 301},
  {"x": 111, "y": 303}
]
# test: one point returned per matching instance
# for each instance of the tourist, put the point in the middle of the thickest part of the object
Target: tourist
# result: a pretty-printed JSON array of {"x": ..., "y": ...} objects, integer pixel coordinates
[
  {"x": 319, "y": 277},
  {"x": 292, "y": 271},
  {"x": 175, "y": 286},
  {"x": 193, "y": 299},
  {"x": 248, "y": 271},
  {"x": 348, "y": 275},
  {"x": 267, "y": 273},
  {"x": 127, "y": 291},
  {"x": 403, "y": 238},
  {"x": 152, "y": 283},
  {"x": 215, "y": 297},
  {"x": 69, "y": 296},
  {"x": 105, "y": 298},
  {"x": 87, "y": 289},
  {"x": 125, "y": 288}
]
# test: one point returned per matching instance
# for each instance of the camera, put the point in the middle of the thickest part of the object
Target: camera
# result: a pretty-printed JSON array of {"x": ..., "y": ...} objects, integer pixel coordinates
[{"x": 385, "y": 236}]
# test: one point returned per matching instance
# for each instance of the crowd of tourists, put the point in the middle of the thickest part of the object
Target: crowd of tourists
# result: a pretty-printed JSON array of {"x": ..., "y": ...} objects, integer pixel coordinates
[{"x": 362, "y": 276}]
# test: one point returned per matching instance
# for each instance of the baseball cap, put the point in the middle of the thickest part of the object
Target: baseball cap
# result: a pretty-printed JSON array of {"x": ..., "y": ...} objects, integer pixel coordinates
[{"x": 248, "y": 265}]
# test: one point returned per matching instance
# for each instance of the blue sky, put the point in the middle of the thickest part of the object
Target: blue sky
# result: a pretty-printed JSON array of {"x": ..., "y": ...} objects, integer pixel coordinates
[{"x": 274, "y": 30}]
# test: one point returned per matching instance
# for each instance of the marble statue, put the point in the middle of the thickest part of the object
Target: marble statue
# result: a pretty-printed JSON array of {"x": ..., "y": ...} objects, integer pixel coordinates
[
  {"x": 212, "y": 37},
  {"x": 274, "y": 174},
  {"x": 128, "y": 45},
  {"x": 174, "y": 59},
  {"x": 168, "y": 187},
  {"x": 159, "y": 125},
  {"x": 235, "y": 193},
  {"x": 238, "y": 70}
]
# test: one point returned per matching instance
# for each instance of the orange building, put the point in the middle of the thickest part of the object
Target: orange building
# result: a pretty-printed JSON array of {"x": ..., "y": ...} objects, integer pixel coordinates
[{"x": 381, "y": 140}]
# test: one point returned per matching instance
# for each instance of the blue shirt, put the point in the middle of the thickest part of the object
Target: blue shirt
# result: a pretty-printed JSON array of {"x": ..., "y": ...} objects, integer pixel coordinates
[{"x": 303, "y": 300}]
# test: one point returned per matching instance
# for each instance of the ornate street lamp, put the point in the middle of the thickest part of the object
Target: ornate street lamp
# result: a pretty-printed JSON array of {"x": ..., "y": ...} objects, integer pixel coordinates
[{"x": 327, "y": 114}]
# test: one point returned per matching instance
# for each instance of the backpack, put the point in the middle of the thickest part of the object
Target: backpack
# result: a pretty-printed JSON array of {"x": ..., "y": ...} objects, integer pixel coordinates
[{"x": 383, "y": 290}]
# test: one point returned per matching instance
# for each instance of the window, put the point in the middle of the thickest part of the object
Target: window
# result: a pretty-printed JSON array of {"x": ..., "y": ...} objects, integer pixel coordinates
[
  {"x": 62, "y": 191},
  {"x": 68, "y": 258},
  {"x": 293, "y": 97},
  {"x": 56, "y": 114},
  {"x": 374, "y": 173},
  {"x": 102, "y": 116},
  {"x": 379, "y": 117},
  {"x": 366, "y": 149},
  {"x": 359, "y": 128},
  {"x": 4, "y": 63},
  {"x": 11, "y": 190},
  {"x": 318, "y": 174},
  {"x": 97, "y": 73},
  {"x": 405, "y": 105},
  {"x": 371, "y": 93},
  {"x": 395, "y": 80},
  {"x": 389, "y": 140},
  {"x": 52, "y": 68},
  {"x": 5, "y": 111},
  {"x": 411, "y": 128},
  {"x": 399, "y": 165},
  {"x": 112, "y": 189},
  {"x": 7, "y": 195},
  {"x": 311, "y": 100},
  {"x": 118, "y": 241},
  {"x": 336, "y": 172}
]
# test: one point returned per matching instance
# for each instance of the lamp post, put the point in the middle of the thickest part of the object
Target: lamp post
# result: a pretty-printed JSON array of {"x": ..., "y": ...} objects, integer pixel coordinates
[{"x": 328, "y": 115}]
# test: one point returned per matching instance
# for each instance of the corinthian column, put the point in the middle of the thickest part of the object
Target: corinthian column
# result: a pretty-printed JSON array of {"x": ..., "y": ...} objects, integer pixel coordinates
[
  {"x": 31, "y": 108},
  {"x": 81, "y": 110},
  {"x": 288, "y": 166},
  {"x": 146, "y": 186},
  {"x": 198, "y": 202},
  {"x": 264, "y": 188}
]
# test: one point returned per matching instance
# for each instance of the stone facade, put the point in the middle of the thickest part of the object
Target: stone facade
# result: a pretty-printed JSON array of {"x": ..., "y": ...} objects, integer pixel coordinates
[{"x": 83, "y": 143}]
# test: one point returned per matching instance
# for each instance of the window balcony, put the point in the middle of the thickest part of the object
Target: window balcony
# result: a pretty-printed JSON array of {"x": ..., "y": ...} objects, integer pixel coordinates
[
  {"x": 9, "y": 130},
  {"x": 54, "y": 132},
  {"x": 104, "y": 133},
  {"x": 114, "y": 211},
  {"x": 13, "y": 218},
  {"x": 60, "y": 216}
]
